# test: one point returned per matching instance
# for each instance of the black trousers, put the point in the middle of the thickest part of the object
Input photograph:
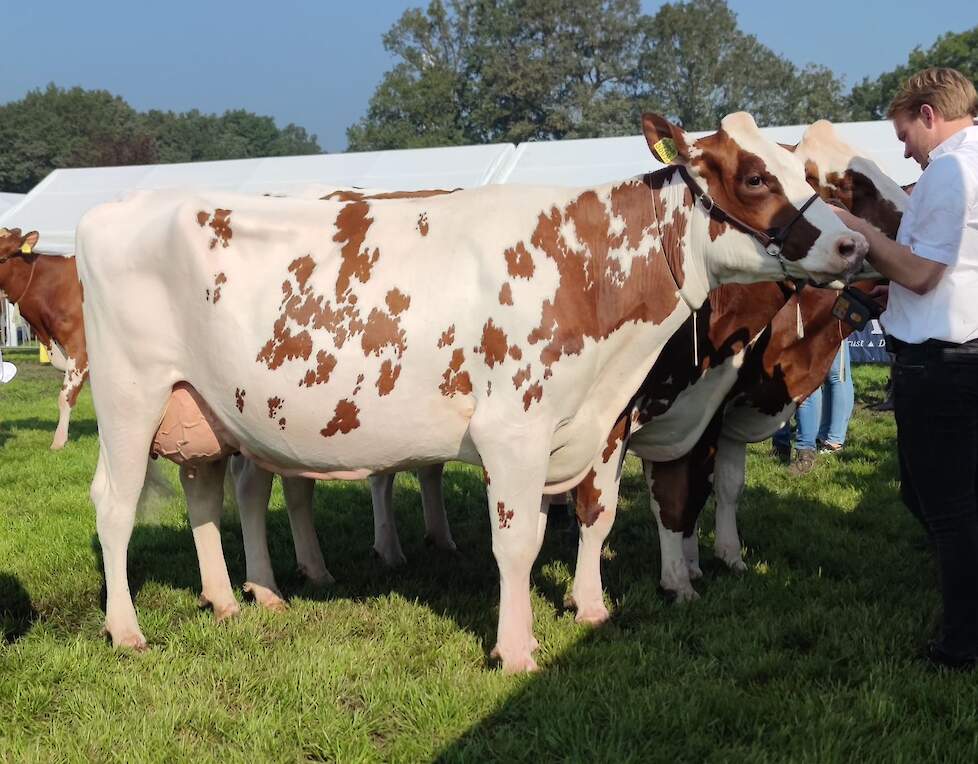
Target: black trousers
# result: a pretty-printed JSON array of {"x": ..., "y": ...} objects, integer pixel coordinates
[{"x": 936, "y": 408}]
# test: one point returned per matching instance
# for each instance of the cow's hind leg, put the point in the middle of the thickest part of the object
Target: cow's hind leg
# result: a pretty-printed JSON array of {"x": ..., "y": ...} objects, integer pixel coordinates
[
  {"x": 204, "y": 486},
  {"x": 126, "y": 430},
  {"x": 387, "y": 544},
  {"x": 299, "y": 493},
  {"x": 64, "y": 414},
  {"x": 667, "y": 492},
  {"x": 436, "y": 530},
  {"x": 253, "y": 489},
  {"x": 729, "y": 485}
]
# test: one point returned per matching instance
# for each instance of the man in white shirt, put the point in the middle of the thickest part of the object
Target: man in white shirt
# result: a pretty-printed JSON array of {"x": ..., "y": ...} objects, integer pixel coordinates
[{"x": 932, "y": 321}]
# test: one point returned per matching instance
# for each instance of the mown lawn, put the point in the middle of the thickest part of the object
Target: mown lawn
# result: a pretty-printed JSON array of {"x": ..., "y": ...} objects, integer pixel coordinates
[{"x": 809, "y": 657}]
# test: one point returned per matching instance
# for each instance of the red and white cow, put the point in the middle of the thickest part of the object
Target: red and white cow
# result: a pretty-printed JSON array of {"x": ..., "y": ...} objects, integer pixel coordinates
[
  {"x": 40, "y": 285},
  {"x": 503, "y": 326}
]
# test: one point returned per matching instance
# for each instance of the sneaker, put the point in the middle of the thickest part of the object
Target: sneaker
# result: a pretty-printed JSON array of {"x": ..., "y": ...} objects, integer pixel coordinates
[
  {"x": 781, "y": 453},
  {"x": 804, "y": 462},
  {"x": 829, "y": 448}
]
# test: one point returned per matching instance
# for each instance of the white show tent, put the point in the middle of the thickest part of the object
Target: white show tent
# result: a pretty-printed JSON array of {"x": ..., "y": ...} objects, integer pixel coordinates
[
  {"x": 599, "y": 160},
  {"x": 8, "y": 200},
  {"x": 57, "y": 203}
]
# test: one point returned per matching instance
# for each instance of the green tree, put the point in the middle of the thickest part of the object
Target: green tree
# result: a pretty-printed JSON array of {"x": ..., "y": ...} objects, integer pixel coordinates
[
  {"x": 698, "y": 65},
  {"x": 477, "y": 71},
  {"x": 871, "y": 98},
  {"x": 56, "y": 127}
]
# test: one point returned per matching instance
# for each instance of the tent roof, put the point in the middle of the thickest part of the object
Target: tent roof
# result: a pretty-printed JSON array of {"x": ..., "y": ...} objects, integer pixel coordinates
[
  {"x": 599, "y": 160},
  {"x": 8, "y": 200},
  {"x": 57, "y": 203}
]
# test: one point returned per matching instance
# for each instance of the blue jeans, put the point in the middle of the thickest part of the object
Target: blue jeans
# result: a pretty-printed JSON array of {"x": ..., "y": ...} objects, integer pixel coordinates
[{"x": 824, "y": 415}]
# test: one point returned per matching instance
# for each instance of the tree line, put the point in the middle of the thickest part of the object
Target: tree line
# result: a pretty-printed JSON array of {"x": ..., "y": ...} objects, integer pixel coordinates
[{"x": 486, "y": 71}]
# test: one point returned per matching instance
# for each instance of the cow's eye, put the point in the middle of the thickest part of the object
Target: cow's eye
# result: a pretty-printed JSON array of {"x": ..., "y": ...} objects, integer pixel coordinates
[{"x": 755, "y": 181}]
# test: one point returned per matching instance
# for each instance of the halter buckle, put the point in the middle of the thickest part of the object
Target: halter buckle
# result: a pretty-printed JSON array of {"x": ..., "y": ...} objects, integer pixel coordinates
[
  {"x": 707, "y": 201},
  {"x": 773, "y": 248}
]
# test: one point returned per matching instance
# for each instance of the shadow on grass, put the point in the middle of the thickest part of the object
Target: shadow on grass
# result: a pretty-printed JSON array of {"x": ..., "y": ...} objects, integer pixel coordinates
[
  {"x": 76, "y": 429},
  {"x": 17, "y": 614}
]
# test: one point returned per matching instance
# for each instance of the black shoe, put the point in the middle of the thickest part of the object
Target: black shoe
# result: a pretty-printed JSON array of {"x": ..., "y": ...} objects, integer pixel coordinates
[
  {"x": 781, "y": 453},
  {"x": 938, "y": 657},
  {"x": 804, "y": 462},
  {"x": 884, "y": 405}
]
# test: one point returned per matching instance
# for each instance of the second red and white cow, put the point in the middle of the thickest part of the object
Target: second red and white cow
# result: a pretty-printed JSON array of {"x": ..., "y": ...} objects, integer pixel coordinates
[{"x": 504, "y": 326}]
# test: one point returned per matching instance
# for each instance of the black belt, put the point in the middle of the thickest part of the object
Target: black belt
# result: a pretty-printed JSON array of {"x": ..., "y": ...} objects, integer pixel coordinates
[{"x": 933, "y": 350}]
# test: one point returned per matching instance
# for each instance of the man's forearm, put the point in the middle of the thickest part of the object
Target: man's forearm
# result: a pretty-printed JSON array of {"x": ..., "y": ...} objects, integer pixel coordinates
[{"x": 899, "y": 263}]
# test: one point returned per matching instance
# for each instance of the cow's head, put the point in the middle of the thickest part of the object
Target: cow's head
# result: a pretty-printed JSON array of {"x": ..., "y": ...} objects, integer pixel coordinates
[
  {"x": 12, "y": 243},
  {"x": 762, "y": 186},
  {"x": 839, "y": 173}
]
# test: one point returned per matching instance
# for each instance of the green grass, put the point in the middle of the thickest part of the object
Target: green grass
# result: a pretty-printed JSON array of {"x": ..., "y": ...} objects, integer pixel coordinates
[{"x": 811, "y": 656}]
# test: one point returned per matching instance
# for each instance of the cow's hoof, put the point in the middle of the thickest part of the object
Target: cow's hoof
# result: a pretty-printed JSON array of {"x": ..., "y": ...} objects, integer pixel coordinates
[
  {"x": 132, "y": 640},
  {"x": 737, "y": 566},
  {"x": 695, "y": 571},
  {"x": 391, "y": 558},
  {"x": 732, "y": 559},
  {"x": 56, "y": 446},
  {"x": 514, "y": 664},
  {"x": 442, "y": 544},
  {"x": 593, "y": 615},
  {"x": 225, "y": 612},
  {"x": 534, "y": 645},
  {"x": 266, "y": 597},
  {"x": 319, "y": 578},
  {"x": 676, "y": 596}
]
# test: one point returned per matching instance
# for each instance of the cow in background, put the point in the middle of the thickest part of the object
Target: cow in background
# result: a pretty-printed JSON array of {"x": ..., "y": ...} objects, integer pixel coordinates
[
  {"x": 536, "y": 314},
  {"x": 782, "y": 367},
  {"x": 45, "y": 289}
]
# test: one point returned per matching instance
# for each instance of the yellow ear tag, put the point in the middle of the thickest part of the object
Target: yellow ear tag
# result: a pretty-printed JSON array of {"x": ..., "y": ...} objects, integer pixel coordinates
[
  {"x": 665, "y": 150},
  {"x": 26, "y": 248}
]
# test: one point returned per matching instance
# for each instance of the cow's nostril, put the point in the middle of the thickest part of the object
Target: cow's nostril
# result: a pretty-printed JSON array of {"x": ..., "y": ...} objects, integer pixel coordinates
[{"x": 847, "y": 247}]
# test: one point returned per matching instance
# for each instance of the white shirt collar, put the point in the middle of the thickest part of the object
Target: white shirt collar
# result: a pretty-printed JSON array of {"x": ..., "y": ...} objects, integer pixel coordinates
[{"x": 950, "y": 144}]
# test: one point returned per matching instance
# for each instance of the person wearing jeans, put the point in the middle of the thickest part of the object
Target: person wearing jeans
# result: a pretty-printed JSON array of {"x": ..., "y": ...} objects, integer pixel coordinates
[{"x": 823, "y": 417}]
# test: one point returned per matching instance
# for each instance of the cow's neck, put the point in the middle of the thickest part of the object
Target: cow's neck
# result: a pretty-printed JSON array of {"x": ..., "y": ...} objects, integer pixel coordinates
[{"x": 15, "y": 274}]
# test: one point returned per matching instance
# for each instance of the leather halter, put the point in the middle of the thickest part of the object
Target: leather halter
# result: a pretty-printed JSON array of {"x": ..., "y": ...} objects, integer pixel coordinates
[
  {"x": 772, "y": 240},
  {"x": 30, "y": 279}
]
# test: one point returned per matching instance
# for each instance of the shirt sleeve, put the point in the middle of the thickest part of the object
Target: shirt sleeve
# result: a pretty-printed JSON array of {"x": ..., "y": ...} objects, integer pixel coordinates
[{"x": 940, "y": 211}]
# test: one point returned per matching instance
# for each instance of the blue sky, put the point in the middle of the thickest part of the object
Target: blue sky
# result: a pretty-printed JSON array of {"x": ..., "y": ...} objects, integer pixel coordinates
[{"x": 316, "y": 63}]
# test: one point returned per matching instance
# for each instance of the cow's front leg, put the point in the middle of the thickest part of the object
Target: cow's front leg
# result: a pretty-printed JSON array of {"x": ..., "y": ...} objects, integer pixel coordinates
[
  {"x": 515, "y": 479},
  {"x": 204, "y": 486},
  {"x": 299, "y": 493},
  {"x": 436, "y": 530},
  {"x": 387, "y": 543},
  {"x": 691, "y": 551},
  {"x": 253, "y": 489},
  {"x": 729, "y": 485},
  {"x": 667, "y": 494}
]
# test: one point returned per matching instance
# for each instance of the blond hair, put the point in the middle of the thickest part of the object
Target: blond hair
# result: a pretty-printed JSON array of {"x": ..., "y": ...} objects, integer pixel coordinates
[{"x": 947, "y": 91}]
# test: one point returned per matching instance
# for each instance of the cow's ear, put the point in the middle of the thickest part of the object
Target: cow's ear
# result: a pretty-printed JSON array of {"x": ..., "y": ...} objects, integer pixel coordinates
[
  {"x": 29, "y": 242},
  {"x": 666, "y": 141}
]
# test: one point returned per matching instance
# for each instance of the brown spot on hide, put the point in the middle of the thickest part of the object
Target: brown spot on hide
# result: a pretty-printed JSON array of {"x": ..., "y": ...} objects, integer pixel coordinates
[
  {"x": 352, "y": 224},
  {"x": 239, "y": 398},
  {"x": 202, "y": 218},
  {"x": 520, "y": 377},
  {"x": 344, "y": 419},
  {"x": 388, "y": 376},
  {"x": 220, "y": 223},
  {"x": 353, "y": 195},
  {"x": 423, "y": 223},
  {"x": 594, "y": 297},
  {"x": 281, "y": 423},
  {"x": 519, "y": 262},
  {"x": 325, "y": 363},
  {"x": 515, "y": 353},
  {"x": 589, "y": 506},
  {"x": 397, "y": 301},
  {"x": 533, "y": 393},
  {"x": 454, "y": 380},
  {"x": 274, "y": 404},
  {"x": 218, "y": 280},
  {"x": 505, "y": 515},
  {"x": 485, "y": 477},
  {"x": 447, "y": 337},
  {"x": 493, "y": 345},
  {"x": 505, "y": 294}
]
